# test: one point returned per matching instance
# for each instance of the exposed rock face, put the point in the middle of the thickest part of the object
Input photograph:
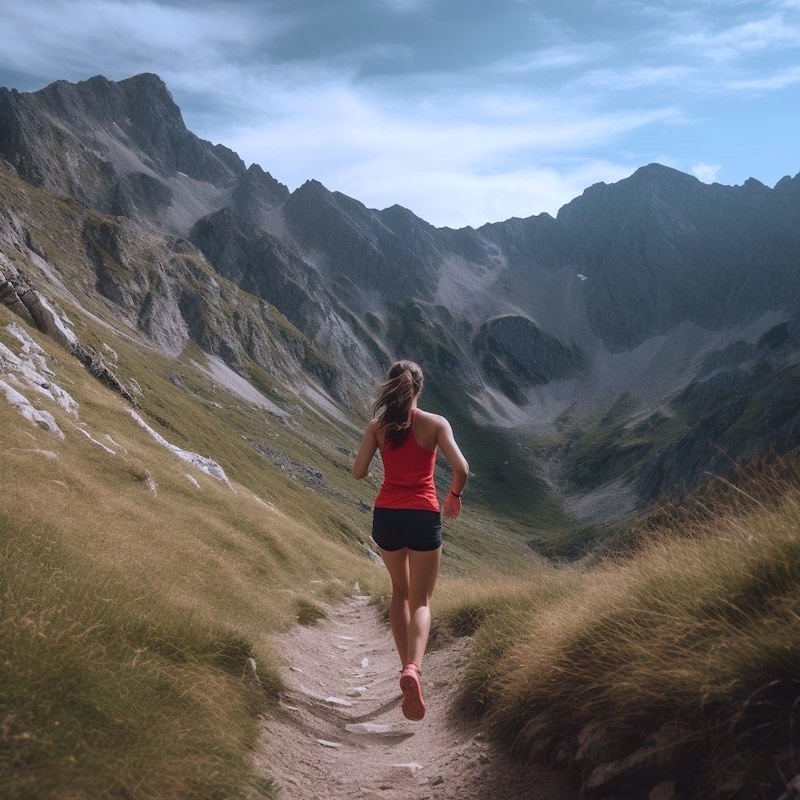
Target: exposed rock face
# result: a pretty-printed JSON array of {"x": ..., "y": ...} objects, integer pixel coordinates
[
  {"x": 657, "y": 288},
  {"x": 661, "y": 247},
  {"x": 256, "y": 194},
  {"x": 738, "y": 412},
  {"x": 261, "y": 265},
  {"x": 513, "y": 347},
  {"x": 120, "y": 147},
  {"x": 359, "y": 245}
]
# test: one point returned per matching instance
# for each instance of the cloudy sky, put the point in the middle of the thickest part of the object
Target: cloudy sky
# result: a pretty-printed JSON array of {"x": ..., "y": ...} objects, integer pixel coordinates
[{"x": 464, "y": 111}]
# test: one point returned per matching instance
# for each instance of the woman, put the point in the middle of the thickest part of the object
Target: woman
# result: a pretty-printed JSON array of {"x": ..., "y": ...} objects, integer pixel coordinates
[{"x": 406, "y": 520}]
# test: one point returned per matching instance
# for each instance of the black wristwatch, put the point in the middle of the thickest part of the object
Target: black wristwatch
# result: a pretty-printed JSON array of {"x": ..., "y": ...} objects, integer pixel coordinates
[{"x": 456, "y": 495}]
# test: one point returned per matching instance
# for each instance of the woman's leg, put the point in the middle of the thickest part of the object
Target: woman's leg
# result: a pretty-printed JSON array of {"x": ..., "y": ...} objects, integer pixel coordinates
[
  {"x": 399, "y": 615},
  {"x": 423, "y": 567}
]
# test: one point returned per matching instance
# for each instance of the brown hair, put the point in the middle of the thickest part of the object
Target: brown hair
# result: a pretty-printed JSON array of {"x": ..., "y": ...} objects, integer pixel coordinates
[{"x": 393, "y": 407}]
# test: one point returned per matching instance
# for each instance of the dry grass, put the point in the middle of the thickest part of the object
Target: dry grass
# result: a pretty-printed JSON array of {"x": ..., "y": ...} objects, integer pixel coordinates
[
  {"x": 126, "y": 618},
  {"x": 698, "y": 630}
]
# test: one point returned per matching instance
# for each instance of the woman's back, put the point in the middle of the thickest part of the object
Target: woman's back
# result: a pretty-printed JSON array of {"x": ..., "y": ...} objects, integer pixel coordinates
[{"x": 408, "y": 467}]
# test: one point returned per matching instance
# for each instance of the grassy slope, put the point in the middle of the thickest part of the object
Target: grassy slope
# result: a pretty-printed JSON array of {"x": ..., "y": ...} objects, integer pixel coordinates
[
  {"x": 696, "y": 634},
  {"x": 127, "y": 618}
]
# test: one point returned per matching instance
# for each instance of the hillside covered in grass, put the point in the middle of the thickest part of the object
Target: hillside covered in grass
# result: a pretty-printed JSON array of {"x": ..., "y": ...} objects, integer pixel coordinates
[
  {"x": 670, "y": 667},
  {"x": 135, "y": 586}
]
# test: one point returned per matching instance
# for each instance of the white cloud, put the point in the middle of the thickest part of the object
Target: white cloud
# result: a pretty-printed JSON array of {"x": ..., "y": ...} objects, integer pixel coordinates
[
  {"x": 452, "y": 161},
  {"x": 776, "y": 81},
  {"x": 747, "y": 37},
  {"x": 550, "y": 58},
  {"x": 457, "y": 198},
  {"x": 76, "y": 39},
  {"x": 706, "y": 172},
  {"x": 637, "y": 77}
]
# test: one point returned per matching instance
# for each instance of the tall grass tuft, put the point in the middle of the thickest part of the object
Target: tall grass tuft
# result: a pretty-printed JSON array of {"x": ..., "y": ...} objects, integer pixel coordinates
[{"x": 690, "y": 643}]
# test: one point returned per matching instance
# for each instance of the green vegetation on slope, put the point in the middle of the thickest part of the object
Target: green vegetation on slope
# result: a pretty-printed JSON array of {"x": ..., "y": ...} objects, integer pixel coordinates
[
  {"x": 127, "y": 615},
  {"x": 691, "y": 644}
]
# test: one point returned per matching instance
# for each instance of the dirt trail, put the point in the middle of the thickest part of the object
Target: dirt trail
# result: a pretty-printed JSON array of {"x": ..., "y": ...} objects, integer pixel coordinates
[{"x": 342, "y": 689}]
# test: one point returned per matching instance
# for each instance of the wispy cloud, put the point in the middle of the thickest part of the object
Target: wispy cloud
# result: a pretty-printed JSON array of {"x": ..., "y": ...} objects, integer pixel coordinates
[
  {"x": 550, "y": 58},
  {"x": 746, "y": 37},
  {"x": 773, "y": 82},
  {"x": 637, "y": 77},
  {"x": 706, "y": 172},
  {"x": 449, "y": 167},
  {"x": 83, "y": 37},
  {"x": 457, "y": 198}
]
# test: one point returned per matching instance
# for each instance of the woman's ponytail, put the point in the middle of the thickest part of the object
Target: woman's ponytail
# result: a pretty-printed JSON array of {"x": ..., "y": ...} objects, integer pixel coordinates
[{"x": 393, "y": 407}]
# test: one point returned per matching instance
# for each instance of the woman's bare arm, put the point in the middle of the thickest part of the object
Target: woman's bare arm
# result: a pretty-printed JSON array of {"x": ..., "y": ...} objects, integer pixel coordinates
[
  {"x": 365, "y": 453},
  {"x": 455, "y": 458}
]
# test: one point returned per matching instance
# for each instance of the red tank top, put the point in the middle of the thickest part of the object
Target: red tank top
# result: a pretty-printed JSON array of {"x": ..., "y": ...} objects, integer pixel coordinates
[{"x": 408, "y": 475}]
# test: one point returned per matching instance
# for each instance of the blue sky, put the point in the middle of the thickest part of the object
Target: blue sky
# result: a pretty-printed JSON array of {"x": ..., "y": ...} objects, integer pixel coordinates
[{"x": 465, "y": 112}]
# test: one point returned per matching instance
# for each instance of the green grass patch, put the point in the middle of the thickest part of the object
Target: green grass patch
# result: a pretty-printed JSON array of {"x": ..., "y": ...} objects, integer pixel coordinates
[
  {"x": 695, "y": 637},
  {"x": 612, "y": 447}
]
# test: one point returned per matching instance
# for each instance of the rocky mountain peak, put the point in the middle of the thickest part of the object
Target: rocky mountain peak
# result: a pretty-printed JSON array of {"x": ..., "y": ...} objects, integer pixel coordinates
[
  {"x": 659, "y": 174},
  {"x": 149, "y": 85},
  {"x": 256, "y": 194},
  {"x": 120, "y": 147}
]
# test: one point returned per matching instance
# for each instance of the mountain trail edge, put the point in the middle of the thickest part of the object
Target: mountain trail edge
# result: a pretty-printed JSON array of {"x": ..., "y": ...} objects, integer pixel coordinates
[{"x": 339, "y": 732}]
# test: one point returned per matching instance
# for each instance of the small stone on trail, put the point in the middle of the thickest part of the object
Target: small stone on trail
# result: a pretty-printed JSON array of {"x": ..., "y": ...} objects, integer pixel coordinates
[
  {"x": 326, "y": 743},
  {"x": 437, "y": 781},
  {"x": 347, "y": 638},
  {"x": 356, "y": 691},
  {"x": 338, "y": 701},
  {"x": 369, "y": 727},
  {"x": 310, "y": 693},
  {"x": 296, "y": 669},
  {"x": 364, "y": 662},
  {"x": 341, "y": 646}
]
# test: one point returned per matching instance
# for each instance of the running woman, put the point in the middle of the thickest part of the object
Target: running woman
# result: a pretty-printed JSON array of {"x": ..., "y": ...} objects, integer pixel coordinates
[{"x": 406, "y": 522}]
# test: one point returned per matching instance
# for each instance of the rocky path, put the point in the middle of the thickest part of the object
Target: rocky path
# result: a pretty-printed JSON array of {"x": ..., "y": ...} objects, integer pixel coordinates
[{"x": 340, "y": 732}]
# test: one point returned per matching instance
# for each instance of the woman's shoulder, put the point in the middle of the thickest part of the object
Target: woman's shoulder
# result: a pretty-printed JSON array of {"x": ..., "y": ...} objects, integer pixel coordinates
[{"x": 430, "y": 418}]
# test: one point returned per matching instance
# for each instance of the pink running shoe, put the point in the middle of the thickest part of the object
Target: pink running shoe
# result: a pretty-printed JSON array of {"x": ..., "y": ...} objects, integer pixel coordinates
[{"x": 413, "y": 704}]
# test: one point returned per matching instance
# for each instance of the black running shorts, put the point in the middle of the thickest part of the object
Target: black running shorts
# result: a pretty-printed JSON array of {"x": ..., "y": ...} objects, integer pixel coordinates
[{"x": 394, "y": 528}]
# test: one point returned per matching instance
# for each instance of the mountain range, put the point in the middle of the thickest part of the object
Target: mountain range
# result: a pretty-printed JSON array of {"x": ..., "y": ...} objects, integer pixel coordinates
[{"x": 644, "y": 337}]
